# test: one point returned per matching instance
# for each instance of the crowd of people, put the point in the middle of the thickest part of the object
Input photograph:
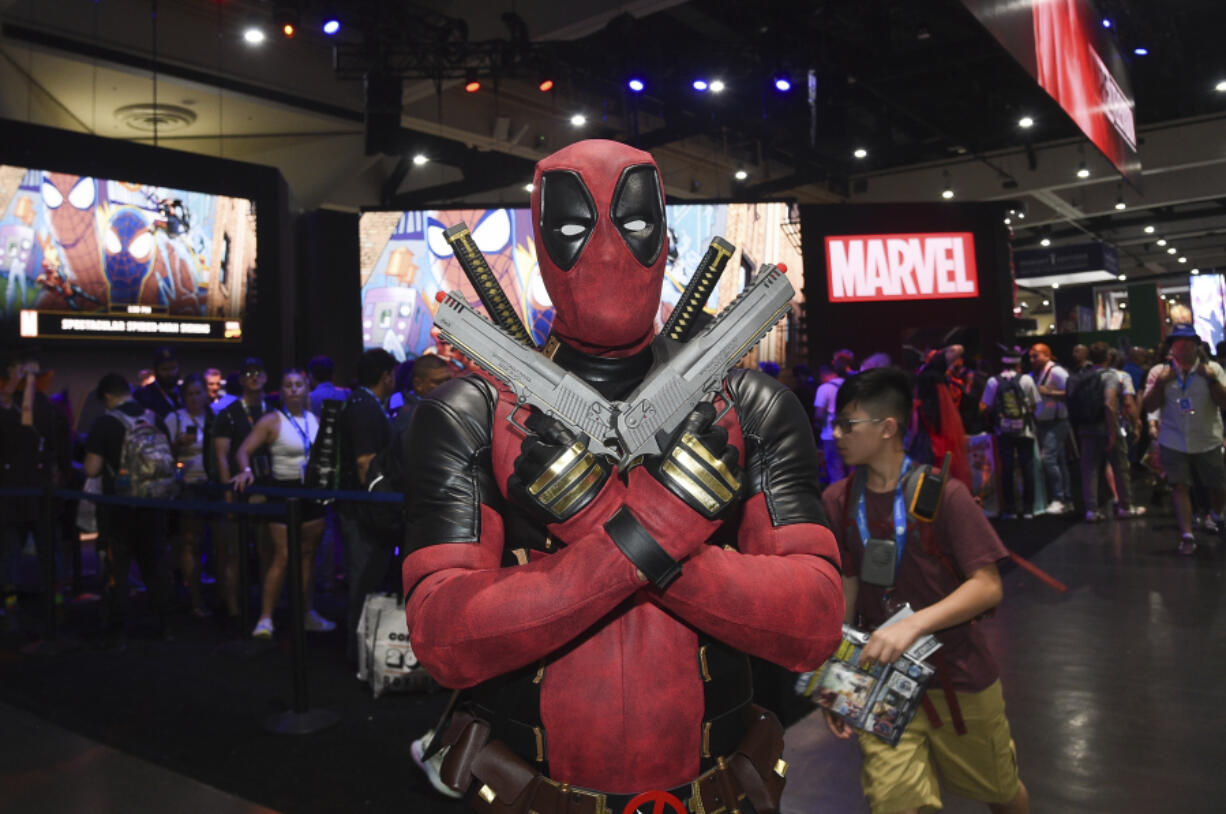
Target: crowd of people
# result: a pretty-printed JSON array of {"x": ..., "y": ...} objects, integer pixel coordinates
[
  {"x": 192, "y": 436},
  {"x": 1112, "y": 415}
]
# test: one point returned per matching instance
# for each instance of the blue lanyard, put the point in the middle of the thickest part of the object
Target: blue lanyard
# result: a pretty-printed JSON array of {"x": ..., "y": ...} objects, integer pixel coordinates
[
  {"x": 386, "y": 414},
  {"x": 900, "y": 513},
  {"x": 306, "y": 438},
  {"x": 1184, "y": 382}
]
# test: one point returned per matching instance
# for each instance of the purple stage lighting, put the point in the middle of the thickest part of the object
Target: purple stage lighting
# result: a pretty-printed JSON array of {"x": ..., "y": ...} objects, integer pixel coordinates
[
  {"x": 783, "y": 84},
  {"x": 636, "y": 85},
  {"x": 700, "y": 85},
  {"x": 331, "y": 26}
]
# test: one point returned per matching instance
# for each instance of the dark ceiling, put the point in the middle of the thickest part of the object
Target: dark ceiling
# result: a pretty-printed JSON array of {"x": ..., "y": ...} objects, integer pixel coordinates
[{"x": 910, "y": 82}]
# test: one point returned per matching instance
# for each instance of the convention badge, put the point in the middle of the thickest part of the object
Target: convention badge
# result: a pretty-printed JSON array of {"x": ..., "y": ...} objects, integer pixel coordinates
[
  {"x": 880, "y": 562},
  {"x": 1185, "y": 404}
]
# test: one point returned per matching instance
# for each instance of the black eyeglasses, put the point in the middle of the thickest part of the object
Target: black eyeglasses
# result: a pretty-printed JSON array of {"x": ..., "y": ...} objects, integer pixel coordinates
[{"x": 844, "y": 426}]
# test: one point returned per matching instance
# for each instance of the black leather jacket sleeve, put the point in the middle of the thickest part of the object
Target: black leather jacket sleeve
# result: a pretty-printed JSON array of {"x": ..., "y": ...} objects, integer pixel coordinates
[
  {"x": 448, "y": 474},
  {"x": 780, "y": 456}
]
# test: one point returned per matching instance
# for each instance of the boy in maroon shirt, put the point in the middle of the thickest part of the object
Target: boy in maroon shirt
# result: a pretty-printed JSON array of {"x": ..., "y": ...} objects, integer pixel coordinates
[{"x": 948, "y": 575}]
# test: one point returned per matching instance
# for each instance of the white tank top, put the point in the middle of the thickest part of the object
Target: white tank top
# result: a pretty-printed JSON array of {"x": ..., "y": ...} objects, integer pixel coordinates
[{"x": 289, "y": 452}]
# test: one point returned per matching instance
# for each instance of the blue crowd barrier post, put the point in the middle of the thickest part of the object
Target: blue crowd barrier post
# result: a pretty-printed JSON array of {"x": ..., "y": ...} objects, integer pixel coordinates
[{"x": 299, "y": 719}]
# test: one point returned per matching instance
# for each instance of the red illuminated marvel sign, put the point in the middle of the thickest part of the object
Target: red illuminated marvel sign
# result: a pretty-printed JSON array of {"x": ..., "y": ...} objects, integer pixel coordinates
[{"x": 933, "y": 266}]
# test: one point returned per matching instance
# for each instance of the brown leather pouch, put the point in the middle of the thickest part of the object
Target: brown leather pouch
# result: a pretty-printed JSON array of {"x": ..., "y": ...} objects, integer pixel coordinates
[
  {"x": 755, "y": 760},
  {"x": 507, "y": 783},
  {"x": 464, "y": 738}
]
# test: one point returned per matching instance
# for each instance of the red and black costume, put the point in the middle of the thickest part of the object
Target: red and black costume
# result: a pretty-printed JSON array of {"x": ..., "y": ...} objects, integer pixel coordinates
[{"x": 535, "y": 605}]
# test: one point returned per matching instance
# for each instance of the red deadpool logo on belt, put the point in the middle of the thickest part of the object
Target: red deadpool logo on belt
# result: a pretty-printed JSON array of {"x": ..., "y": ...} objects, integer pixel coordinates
[{"x": 662, "y": 799}]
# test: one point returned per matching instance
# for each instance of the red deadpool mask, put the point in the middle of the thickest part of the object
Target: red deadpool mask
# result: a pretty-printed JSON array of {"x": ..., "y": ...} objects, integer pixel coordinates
[{"x": 598, "y": 207}]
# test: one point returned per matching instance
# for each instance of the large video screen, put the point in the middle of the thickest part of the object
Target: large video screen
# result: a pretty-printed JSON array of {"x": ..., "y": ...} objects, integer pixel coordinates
[
  {"x": 103, "y": 259},
  {"x": 1063, "y": 45},
  {"x": 405, "y": 261}
]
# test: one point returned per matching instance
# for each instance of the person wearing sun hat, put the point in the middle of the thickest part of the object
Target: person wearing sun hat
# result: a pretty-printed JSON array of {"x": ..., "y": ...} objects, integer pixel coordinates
[{"x": 1191, "y": 392}]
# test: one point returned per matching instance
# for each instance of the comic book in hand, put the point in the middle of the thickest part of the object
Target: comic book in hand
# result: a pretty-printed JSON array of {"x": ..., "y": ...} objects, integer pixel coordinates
[{"x": 880, "y": 699}]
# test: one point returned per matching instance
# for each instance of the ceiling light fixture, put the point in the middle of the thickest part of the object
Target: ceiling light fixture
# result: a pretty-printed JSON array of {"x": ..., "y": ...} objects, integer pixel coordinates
[
  {"x": 471, "y": 83},
  {"x": 717, "y": 86},
  {"x": 1161, "y": 241},
  {"x": 1119, "y": 204},
  {"x": 1171, "y": 250},
  {"x": 528, "y": 187},
  {"x": 1045, "y": 242},
  {"x": 419, "y": 159},
  {"x": 1141, "y": 52},
  {"x": 740, "y": 174},
  {"x": 1083, "y": 171},
  {"x": 1220, "y": 87},
  {"x": 699, "y": 85},
  {"x": 636, "y": 85},
  {"x": 578, "y": 120},
  {"x": 1149, "y": 230},
  {"x": 783, "y": 82},
  {"x": 1055, "y": 286},
  {"x": 331, "y": 25},
  {"x": 254, "y": 35},
  {"x": 1183, "y": 259},
  {"x": 1046, "y": 303},
  {"x": 1106, "y": 23},
  {"x": 1195, "y": 271},
  {"x": 1122, "y": 277},
  {"x": 948, "y": 192},
  {"x": 860, "y": 152},
  {"x": 1025, "y": 122}
]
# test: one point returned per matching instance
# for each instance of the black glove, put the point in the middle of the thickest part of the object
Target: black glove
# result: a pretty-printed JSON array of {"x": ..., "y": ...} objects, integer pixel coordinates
[
  {"x": 556, "y": 475},
  {"x": 698, "y": 466}
]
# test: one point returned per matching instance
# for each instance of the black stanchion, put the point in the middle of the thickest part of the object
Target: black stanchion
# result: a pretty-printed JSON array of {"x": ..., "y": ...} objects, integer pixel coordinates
[
  {"x": 299, "y": 719},
  {"x": 46, "y": 539}
]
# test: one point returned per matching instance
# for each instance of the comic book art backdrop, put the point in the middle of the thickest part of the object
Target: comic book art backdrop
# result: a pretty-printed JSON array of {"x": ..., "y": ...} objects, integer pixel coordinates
[
  {"x": 99, "y": 258},
  {"x": 405, "y": 261}
]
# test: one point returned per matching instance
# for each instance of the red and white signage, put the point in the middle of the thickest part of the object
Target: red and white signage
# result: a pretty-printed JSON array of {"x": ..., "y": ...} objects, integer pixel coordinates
[{"x": 872, "y": 268}]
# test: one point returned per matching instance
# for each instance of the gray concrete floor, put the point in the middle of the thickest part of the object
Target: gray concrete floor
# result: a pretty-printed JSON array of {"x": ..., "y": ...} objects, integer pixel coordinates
[
  {"x": 1114, "y": 689},
  {"x": 49, "y": 770}
]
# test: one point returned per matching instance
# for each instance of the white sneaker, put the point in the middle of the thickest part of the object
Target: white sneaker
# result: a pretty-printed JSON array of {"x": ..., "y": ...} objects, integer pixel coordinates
[
  {"x": 263, "y": 629},
  {"x": 433, "y": 765},
  {"x": 316, "y": 623},
  {"x": 1057, "y": 507}
]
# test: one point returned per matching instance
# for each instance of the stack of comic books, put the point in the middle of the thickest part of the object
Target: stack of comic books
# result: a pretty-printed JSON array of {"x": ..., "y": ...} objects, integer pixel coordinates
[{"x": 878, "y": 698}]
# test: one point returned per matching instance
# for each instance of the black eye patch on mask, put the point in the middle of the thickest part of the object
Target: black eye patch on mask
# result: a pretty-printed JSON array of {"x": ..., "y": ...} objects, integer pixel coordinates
[
  {"x": 638, "y": 212},
  {"x": 568, "y": 216}
]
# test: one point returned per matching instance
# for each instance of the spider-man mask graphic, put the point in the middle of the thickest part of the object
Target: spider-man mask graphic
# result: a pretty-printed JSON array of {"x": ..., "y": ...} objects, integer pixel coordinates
[
  {"x": 129, "y": 254},
  {"x": 601, "y": 243}
]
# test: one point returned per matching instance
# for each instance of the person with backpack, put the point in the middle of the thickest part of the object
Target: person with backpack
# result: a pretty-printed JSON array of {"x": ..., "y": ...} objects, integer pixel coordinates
[
  {"x": 365, "y": 432},
  {"x": 1094, "y": 410},
  {"x": 288, "y": 434},
  {"x": 1191, "y": 393},
  {"x": 945, "y": 569},
  {"x": 129, "y": 447},
  {"x": 1008, "y": 400}
]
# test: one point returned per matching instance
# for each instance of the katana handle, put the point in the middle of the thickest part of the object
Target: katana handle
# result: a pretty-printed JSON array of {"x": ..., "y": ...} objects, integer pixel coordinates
[
  {"x": 486, "y": 284},
  {"x": 684, "y": 319}
]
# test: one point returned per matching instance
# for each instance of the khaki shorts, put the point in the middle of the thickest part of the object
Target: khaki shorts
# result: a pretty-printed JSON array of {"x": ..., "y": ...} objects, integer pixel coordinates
[{"x": 981, "y": 765}]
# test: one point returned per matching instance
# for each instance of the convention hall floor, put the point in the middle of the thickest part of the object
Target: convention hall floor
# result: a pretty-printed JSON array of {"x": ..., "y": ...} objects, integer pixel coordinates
[{"x": 1113, "y": 689}]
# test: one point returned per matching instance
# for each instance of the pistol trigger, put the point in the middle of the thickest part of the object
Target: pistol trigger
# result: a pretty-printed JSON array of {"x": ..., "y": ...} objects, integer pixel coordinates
[{"x": 511, "y": 419}]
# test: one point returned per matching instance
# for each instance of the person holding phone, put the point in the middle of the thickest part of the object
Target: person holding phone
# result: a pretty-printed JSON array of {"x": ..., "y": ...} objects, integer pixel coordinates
[{"x": 186, "y": 426}]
